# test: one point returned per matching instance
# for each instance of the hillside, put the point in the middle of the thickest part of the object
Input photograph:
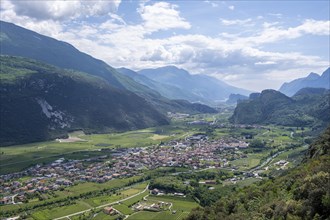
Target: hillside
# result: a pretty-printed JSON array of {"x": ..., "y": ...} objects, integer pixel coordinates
[
  {"x": 235, "y": 98},
  {"x": 204, "y": 87},
  {"x": 18, "y": 41},
  {"x": 308, "y": 107},
  {"x": 41, "y": 102},
  {"x": 166, "y": 90},
  {"x": 300, "y": 193},
  {"x": 313, "y": 80}
]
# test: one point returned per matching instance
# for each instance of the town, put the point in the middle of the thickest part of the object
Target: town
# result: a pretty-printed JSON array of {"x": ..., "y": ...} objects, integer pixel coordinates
[{"x": 194, "y": 152}]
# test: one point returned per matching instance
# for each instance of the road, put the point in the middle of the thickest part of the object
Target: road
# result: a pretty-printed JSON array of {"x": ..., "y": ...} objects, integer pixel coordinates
[
  {"x": 102, "y": 206},
  {"x": 267, "y": 161}
]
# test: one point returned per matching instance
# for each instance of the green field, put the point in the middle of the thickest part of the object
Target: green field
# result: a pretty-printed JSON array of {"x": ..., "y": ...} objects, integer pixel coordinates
[
  {"x": 60, "y": 211},
  {"x": 101, "y": 200},
  {"x": 135, "y": 199},
  {"x": 17, "y": 158},
  {"x": 84, "y": 204},
  {"x": 251, "y": 161},
  {"x": 123, "y": 209},
  {"x": 181, "y": 206},
  {"x": 179, "y": 203},
  {"x": 83, "y": 188}
]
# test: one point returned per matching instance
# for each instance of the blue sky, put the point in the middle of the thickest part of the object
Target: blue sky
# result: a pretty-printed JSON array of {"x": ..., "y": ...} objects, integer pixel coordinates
[{"x": 249, "y": 44}]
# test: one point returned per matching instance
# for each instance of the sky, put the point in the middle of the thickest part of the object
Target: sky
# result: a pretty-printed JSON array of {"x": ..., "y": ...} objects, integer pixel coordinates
[{"x": 254, "y": 45}]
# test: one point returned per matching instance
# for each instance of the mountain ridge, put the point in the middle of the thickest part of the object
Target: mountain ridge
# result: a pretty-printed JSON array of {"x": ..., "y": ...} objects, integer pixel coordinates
[
  {"x": 41, "y": 102},
  {"x": 312, "y": 80},
  {"x": 308, "y": 107},
  {"x": 18, "y": 41},
  {"x": 203, "y": 86}
]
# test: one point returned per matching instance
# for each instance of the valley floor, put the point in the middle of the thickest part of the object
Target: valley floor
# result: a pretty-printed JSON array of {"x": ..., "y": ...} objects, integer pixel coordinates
[{"x": 166, "y": 170}]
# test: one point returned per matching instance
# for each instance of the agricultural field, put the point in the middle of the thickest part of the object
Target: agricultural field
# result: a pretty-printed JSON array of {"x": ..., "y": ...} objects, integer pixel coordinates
[
  {"x": 277, "y": 144},
  {"x": 180, "y": 209},
  {"x": 17, "y": 158}
]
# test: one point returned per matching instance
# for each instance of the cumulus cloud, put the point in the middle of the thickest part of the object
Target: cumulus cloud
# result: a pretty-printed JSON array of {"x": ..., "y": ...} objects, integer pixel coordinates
[
  {"x": 273, "y": 33},
  {"x": 61, "y": 10},
  {"x": 242, "y": 61},
  {"x": 162, "y": 16}
]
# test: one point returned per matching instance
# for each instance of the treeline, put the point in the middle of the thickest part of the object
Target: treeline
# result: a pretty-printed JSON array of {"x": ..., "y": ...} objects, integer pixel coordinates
[{"x": 188, "y": 183}]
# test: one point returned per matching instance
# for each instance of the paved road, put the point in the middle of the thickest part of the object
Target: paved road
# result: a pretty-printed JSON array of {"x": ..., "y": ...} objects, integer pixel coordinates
[{"x": 102, "y": 206}]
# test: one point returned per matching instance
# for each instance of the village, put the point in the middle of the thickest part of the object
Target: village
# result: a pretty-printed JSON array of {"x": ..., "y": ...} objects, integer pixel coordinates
[{"x": 194, "y": 152}]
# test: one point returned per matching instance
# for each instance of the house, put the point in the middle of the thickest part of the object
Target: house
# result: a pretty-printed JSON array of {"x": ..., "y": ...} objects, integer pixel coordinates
[
  {"x": 210, "y": 182},
  {"x": 6, "y": 200},
  {"x": 108, "y": 210},
  {"x": 155, "y": 191}
]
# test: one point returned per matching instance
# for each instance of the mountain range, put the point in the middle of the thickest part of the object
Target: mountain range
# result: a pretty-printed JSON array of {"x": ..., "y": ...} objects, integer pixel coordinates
[
  {"x": 41, "y": 102},
  {"x": 18, "y": 41},
  {"x": 126, "y": 104},
  {"x": 313, "y": 80},
  {"x": 201, "y": 87},
  {"x": 309, "y": 106}
]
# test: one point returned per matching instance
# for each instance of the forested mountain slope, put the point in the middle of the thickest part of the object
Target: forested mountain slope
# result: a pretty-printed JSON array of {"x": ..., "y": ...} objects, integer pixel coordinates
[{"x": 40, "y": 102}]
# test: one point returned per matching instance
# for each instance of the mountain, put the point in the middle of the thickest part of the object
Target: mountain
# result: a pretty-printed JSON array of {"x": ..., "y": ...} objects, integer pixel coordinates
[
  {"x": 41, "y": 102},
  {"x": 201, "y": 86},
  {"x": 312, "y": 80},
  {"x": 299, "y": 193},
  {"x": 235, "y": 98},
  {"x": 18, "y": 41},
  {"x": 308, "y": 107},
  {"x": 166, "y": 90}
]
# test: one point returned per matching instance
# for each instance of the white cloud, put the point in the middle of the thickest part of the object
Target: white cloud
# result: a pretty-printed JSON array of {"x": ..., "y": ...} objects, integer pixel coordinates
[
  {"x": 242, "y": 61},
  {"x": 162, "y": 16},
  {"x": 231, "y": 7},
  {"x": 212, "y": 3},
  {"x": 235, "y": 22},
  {"x": 272, "y": 33},
  {"x": 265, "y": 63},
  {"x": 62, "y": 10},
  {"x": 278, "y": 15}
]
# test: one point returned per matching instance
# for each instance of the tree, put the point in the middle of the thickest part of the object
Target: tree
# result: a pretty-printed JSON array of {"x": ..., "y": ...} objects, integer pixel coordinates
[{"x": 256, "y": 143}]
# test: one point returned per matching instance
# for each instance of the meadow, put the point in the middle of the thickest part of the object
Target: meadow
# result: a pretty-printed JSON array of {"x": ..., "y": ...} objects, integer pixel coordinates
[
  {"x": 181, "y": 208},
  {"x": 19, "y": 157}
]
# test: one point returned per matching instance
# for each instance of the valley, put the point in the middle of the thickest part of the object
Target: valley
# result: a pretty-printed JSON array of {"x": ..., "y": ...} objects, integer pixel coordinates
[
  {"x": 180, "y": 164},
  {"x": 149, "y": 111}
]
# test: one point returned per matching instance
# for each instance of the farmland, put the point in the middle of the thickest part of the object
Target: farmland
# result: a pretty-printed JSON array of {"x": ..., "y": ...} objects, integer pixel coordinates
[{"x": 102, "y": 170}]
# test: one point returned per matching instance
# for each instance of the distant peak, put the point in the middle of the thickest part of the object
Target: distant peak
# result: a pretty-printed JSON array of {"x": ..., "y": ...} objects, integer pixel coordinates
[
  {"x": 313, "y": 75},
  {"x": 327, "y": 72},
  {"x": 171, "y": 68}
]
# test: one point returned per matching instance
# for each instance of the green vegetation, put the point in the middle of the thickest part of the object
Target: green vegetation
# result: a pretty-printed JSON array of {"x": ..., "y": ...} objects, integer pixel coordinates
[
  {"x": 56, "y": 101},
  {"x": 180, "y": 204},
  {"x": 288, "y": 142},
  {"x": 19, "y": 157},
  {"x": 273, "y": 107},
  {"x": 181, "y": 208},
  {"x": 77, "y": 197},
  {"x": 300, "y": 193}
]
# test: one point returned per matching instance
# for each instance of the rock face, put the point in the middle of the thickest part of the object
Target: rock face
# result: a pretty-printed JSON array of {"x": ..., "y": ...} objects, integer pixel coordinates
[
  {"x": 307, "y": 107},
  {"x": 40, "y": 102}
]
